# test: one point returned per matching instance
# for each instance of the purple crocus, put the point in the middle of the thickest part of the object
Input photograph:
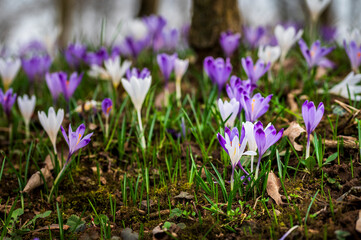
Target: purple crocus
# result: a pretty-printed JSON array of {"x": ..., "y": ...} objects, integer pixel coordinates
[
  {"x": 315, "y": 56},
  {"x": 311, "y": 117},
  {"x": 36, "y": 66},
  {"x": 97, "y": 57},
  {"x": 166, "y": 65},
  {"x": 75, "y": 140},
  {"x": 155, "y": 24},
  {"x": 107, "y": 105},
  {"x": 53, "y": 82},
  {"x": 235, "y": 146},
  {"x": 354, "y": 54},
  {"x": 218, "y": 70},
  {"x": 229, "y": 42},
  {"x": 7, "y": 101},
  {"x": 132, "y": 47},
  {"x": 254, "y": 71},
  {"x": 265, "y": 138},
  {"x": 74, "y": 54},
  {"x": 255, "y": 107},
  {"x": 167, "y": 40},
  {"x": 237, "y": 88},
  {"x": 253, "y": 35},
  {"x": 137, "y": 73},
  {"x": 68, "y": 87}
]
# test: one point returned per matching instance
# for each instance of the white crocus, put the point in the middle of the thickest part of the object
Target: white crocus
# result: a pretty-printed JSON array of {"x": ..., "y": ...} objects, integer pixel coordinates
[
  {"x": 251, "y": 140},
  {"x": 115, "y": 70},
  {"x": 180, "y": 67},
  {"x": 228, "y": 109},
  {"x": 98, "y": 72},
  {"x": 269, "y": 53},
  {"x": 52, "y": 123},
  {"x": 27, "y": 106},
  {"x": 236, "y": 151},
  {"x": 286, "y": 38},
  {"x": 348, "y": 85},
  {"x": 316, "y": 7},
  {"x": 137, "y": 88},
  {"x": 8, "y": 70}
]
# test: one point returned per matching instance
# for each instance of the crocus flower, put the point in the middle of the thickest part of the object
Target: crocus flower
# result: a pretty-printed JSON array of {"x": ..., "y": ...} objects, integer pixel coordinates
[
  {"x": 27, "y": 106},
  {"x": 75, "y": 140},
  {"x": 8, "y": 70},
  {"x": 348, "y": 88},
  {"x": 137, "y": 73},
  {"x": 286, "y": 38},
  {"x": 155, "y": 24},
  {"x": 315, "y": 56},
  {"x": 264, "y": 140},
  {"x": 167, "y": 40},
  {"x": 250, "y": 130},
  {"x": 218, "y": 70},
  {"x": 256, "y": 106},
  {"x": 54, "y": 83},
  {"x": 328, "y": 33},
  {"x": 235, "y": 146},
  {"x": 36, "y": 66},
  {"x": 68, "y": 87},
  {"x": 180, "y": 67},
  {"x": 51, "y": 123},
  {"x": 269, "y": 54},
  {"x": 316, "y": 7},
  {"x": 74, "y": 54},
  {"x": 354, "y": 54},
  {"x": 96, "y": 58},
  {"x": 256, "y": 71},
  {"x": 228, "y": 110},
  {"x": 137, "y": 88},
  {"x": 350, "y": 36},
  {"x": 253, "y": 35},
  {"x": 131, "y": 47},
  {"x": 311, "y": 117},
  {"x": 107, "y": 105},
  {"x": 166, "y": 65},
  {"x": 229, "y": 42},
  {"x": 116, "y": 70},
  {"x": 237, "y": 88},
  {"x": 7, "y": 100}
]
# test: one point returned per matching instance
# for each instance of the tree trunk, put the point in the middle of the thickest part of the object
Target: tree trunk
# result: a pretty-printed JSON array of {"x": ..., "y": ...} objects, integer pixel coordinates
[
  {"x": 147, "y": 7},
  {"x": 210, "y": 18},
  {"x": 65, "y": 21}
]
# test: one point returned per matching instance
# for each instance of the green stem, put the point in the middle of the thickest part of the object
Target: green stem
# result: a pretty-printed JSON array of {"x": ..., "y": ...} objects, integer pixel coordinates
[{"x": 141, "y": 129}]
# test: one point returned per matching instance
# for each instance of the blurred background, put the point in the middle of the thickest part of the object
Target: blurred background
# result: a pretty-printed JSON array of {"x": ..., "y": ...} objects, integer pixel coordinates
[{"x": 83, "y": 20}]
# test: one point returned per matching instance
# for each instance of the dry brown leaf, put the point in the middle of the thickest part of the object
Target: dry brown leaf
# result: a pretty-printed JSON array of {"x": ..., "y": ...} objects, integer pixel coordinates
[
  {"x": 52, "y": 227},
  {"x": 293, "y": 132},
  {"x": 291, "y": 99},
  {"x": 273, "y": 186},
  {"x": 184, "y": 195},
  {"x": 358, "y": 222},
  {"x": 320, "y": 72},
  {"x": 36, "y": 179},
  {"x": 348, "y": 142}
]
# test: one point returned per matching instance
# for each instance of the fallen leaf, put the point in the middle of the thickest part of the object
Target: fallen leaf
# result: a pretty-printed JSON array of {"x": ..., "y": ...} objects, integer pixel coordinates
[
  {"x": 184, "y": 195},
  {"x": 293, "y": 132},
  {"x": 291, "y": 99},
  {"x": 160, "y": 233},
  {"x": 320, "y": 72},
  {"x": 52, "y": 227},
  {"x": 273, "y": 186},
  {"x": 128, "y": 234},
  {"x": 358, "y": 222},
  {"x": 348, "y": 142},
  {"x": 36, "y": 180}
]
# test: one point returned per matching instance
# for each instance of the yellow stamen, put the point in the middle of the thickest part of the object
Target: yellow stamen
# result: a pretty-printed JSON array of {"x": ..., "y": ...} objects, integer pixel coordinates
[
  {"x": 67, "y": 84},
  {"x": 312, "y": 53},
  {"x": 359, "y": 54},
  {"x": 253, "y": 101},
  {"x": 109, "y": 108},
  {"x": 78, "y": 139}
]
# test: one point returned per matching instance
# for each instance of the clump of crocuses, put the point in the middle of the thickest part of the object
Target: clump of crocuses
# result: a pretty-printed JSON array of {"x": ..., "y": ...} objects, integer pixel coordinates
[
  {"x": 235, "y": 146},
  {"x": 311, "y": 117},
  {"x": 254, "y": 107},
  {"x": 255, "y": 71}
]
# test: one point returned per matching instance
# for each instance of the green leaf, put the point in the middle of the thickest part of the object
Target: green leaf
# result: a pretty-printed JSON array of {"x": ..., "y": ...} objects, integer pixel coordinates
[
  {"x": 176, "y": 212},
  {"x": 167, "y": 225},
  {"x": 40, "y": 215},
  {"x": 310, "y": 163},
  {"x": 74, "y": 222},
  {"x": 18, "y": 212},
  {"x": 331, "y": 158}
]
